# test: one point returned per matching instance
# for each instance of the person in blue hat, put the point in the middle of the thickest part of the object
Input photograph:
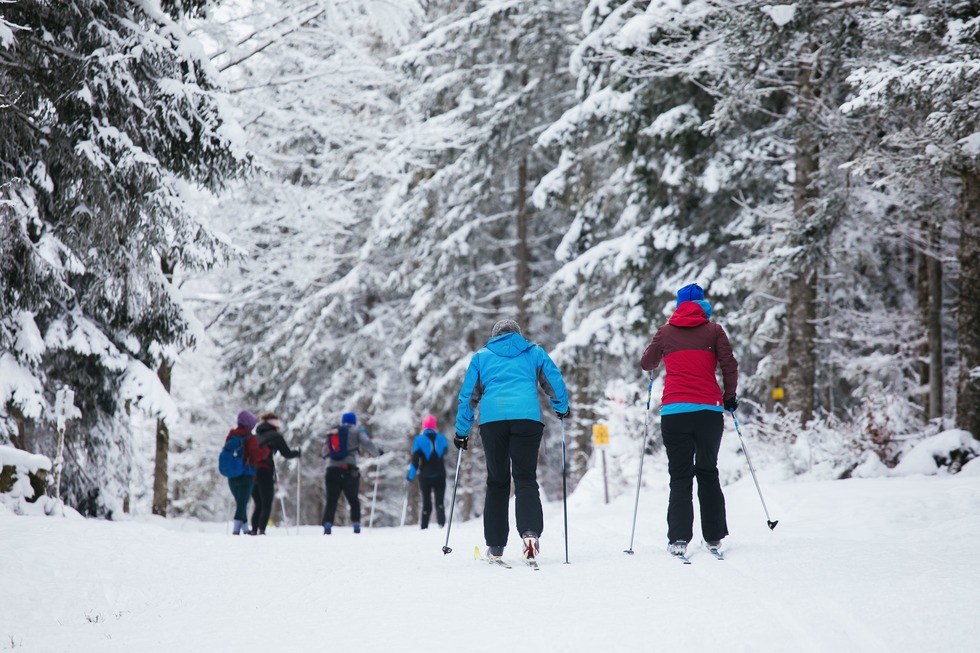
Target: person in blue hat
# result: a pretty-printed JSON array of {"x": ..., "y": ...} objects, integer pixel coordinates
[
  {"x": 691, "y": 348},
  {"x": 340, "y": 449}
]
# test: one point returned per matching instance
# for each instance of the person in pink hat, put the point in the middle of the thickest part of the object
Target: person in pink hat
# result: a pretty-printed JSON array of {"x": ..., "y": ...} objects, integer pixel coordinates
[{"x": 428, "y": 454}]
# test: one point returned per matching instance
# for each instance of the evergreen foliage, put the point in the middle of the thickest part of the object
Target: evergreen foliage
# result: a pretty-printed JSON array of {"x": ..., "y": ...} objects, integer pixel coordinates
[
  {"x": 424, "y": 169},
  {"x": 109, "y": 112}
]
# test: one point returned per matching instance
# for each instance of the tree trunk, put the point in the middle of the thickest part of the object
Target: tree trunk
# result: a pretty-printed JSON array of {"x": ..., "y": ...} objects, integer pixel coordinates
[
  {"x": 922, "y": 303},
  {"x": 523, "y": 274},
  {"x": 801, "y": 318},
  {"x": 935, "y": 324},
  {"x": 160, "y": 476},
  {"x": 802, "y": 309},
  {"x": 160, "y": 479},
  {"x": 523, "y": 251},
  {"x": 968, "y": 309}
]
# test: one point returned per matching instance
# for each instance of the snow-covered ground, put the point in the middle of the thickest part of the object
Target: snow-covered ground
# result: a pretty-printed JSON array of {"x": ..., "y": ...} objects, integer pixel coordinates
[{"x": 880, "y": 564}]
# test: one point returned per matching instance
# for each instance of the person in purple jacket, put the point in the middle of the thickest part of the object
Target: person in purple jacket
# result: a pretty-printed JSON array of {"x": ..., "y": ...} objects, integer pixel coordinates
[{"x": 503, "y": 379}]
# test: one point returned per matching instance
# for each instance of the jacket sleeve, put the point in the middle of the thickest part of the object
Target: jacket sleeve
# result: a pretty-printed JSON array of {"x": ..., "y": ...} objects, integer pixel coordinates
[
  {"x": 324, "y": 450},
  {"x": 551, "y": 381},
  {"x": 279, "y": 444},
  {"x": 364, "y": 439},
  {"x": 729, "y": 366},
  {"x": 416, "y": 460},
  {"x": 654, "y": 353},
  {"x": 469, "y": 397}
]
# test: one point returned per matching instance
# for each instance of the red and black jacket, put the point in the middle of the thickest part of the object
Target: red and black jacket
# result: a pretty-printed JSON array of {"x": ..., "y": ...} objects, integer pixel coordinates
[{"x": 692, "y": 348}]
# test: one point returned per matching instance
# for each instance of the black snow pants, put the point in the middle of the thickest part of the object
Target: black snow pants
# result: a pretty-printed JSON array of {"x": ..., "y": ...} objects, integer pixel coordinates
[
  {"x": 692, "y": 441},
  {"x": 430, "y": 485},
  {"x": 344, "y": 479},
  {"x": 511, "y": 448},
  {"x": 263, "y": 494}
]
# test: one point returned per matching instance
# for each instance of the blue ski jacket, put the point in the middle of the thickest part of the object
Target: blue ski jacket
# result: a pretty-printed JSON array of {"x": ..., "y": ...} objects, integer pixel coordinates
[
  {"x": 428, "y": 450},
  {"x": 502, "y": 379}
]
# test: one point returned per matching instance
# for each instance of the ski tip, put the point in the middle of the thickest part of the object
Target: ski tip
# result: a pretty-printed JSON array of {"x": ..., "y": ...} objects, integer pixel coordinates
[
  {"x": 772, "y": 524},
  {"x": 476, "y": 552}
]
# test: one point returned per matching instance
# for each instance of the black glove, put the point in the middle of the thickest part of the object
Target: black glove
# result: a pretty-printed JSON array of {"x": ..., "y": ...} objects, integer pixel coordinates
[
  {"x": 461, "y": 441},
  {"x": 568, "y": 411},
  {"x": 731, "y": 404}
]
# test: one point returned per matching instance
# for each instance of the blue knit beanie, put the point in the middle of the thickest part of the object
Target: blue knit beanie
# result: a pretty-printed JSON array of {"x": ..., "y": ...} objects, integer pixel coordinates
[
  {"x": 690, "y": 293},
  {"x": 348, "y": 418}
]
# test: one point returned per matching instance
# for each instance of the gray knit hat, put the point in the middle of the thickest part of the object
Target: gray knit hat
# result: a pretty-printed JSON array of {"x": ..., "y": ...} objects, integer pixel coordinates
[{"x": 504, "y": 326}]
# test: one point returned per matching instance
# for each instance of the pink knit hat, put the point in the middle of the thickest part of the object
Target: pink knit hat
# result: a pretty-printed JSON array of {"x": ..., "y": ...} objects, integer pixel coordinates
[{"x": 429, "y": 422}]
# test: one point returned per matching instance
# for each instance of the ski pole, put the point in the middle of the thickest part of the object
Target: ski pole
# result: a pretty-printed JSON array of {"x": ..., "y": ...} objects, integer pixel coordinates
[
  {"x": 299, "y": 467},
  {"x": 282, "y": 506},
  {"x": 769, "y": 521},
  {"x": 405, "y": 508},
  {"x": 452, "y": 506},
  {"x": 643, "y": 447},
  {"x": 564, "y": 487},
  {"x": 374, "y": 497}
]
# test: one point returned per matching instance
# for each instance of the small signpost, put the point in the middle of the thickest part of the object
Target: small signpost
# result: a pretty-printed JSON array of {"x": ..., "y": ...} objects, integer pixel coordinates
[
  {"x": 600, "y": 438},
  {"x": 64, "y": 409}
]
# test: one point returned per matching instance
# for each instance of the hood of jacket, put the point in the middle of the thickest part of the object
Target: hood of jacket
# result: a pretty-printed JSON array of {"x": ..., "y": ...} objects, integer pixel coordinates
[
  {"x": 509, "y": 345},
  {"x": 690, "y": 314},
  {"x": 264, "y": 428}
]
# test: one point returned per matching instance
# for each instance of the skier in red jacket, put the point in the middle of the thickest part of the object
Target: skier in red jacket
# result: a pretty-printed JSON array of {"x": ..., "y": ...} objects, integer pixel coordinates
[{"x": 692, "y": 415}]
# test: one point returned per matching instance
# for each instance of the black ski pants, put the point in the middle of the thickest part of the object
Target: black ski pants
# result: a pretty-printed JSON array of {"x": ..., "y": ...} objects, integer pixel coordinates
[
  {"x": 511, "y": 448},
  {"x": 430, "y": 485},
  {"x": 263, "y": 494},
  {"x": 692, "y": 441},
  {"x": 344, "y": 479}
]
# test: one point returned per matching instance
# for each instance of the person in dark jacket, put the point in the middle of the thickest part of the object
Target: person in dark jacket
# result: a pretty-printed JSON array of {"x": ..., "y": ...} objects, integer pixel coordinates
[
  {"x": 241, "y": 486},
  {"x": 264, "y": 490},
  {"x": 502, "y": 379},
  {"x": 428, "y": 454},
  {"x": 342, "y": 475},
  {"x": 692, "y": 415}
]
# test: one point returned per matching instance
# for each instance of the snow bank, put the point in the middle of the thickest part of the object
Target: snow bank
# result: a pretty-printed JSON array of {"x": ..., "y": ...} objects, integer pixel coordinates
[
  {"x": 932, "y": 454},
  {"x": 23, "y": 464}
]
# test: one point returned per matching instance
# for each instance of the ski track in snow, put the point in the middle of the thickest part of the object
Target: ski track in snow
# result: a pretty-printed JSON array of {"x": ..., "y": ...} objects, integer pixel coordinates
[{"x": 858, "y": 565}]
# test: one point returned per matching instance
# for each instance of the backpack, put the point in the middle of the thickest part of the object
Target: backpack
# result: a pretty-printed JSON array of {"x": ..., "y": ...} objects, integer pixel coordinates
[
  {"x": 337, "y": 442},
  {"x": 231, "y": 460}
]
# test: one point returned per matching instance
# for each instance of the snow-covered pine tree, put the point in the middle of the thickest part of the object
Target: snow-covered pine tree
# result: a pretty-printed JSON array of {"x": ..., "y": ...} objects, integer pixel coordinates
[
  {"x": 841, "y": 283},
  {"x": 489, "y": 78},
  {"x": 922, "y": 91},
  {"x": 651, "y": 195},
  {"x": 306, "y": 324},
  {"x": 109, "y": 114}
]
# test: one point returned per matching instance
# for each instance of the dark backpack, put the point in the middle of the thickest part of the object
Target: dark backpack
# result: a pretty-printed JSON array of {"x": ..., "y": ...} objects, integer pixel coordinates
[
  {"x": 231, "y": 460},
  {"x": 337, "y": 442}
]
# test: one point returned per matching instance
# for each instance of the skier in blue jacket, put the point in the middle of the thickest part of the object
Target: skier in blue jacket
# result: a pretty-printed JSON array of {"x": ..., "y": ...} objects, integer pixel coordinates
[
  {"x": 428, "y": 451},
  {"x": 502, "y": 378}
]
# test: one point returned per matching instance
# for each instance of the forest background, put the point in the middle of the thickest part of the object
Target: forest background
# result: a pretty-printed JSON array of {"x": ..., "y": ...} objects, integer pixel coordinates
[{"x": 314, "y": 207}]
